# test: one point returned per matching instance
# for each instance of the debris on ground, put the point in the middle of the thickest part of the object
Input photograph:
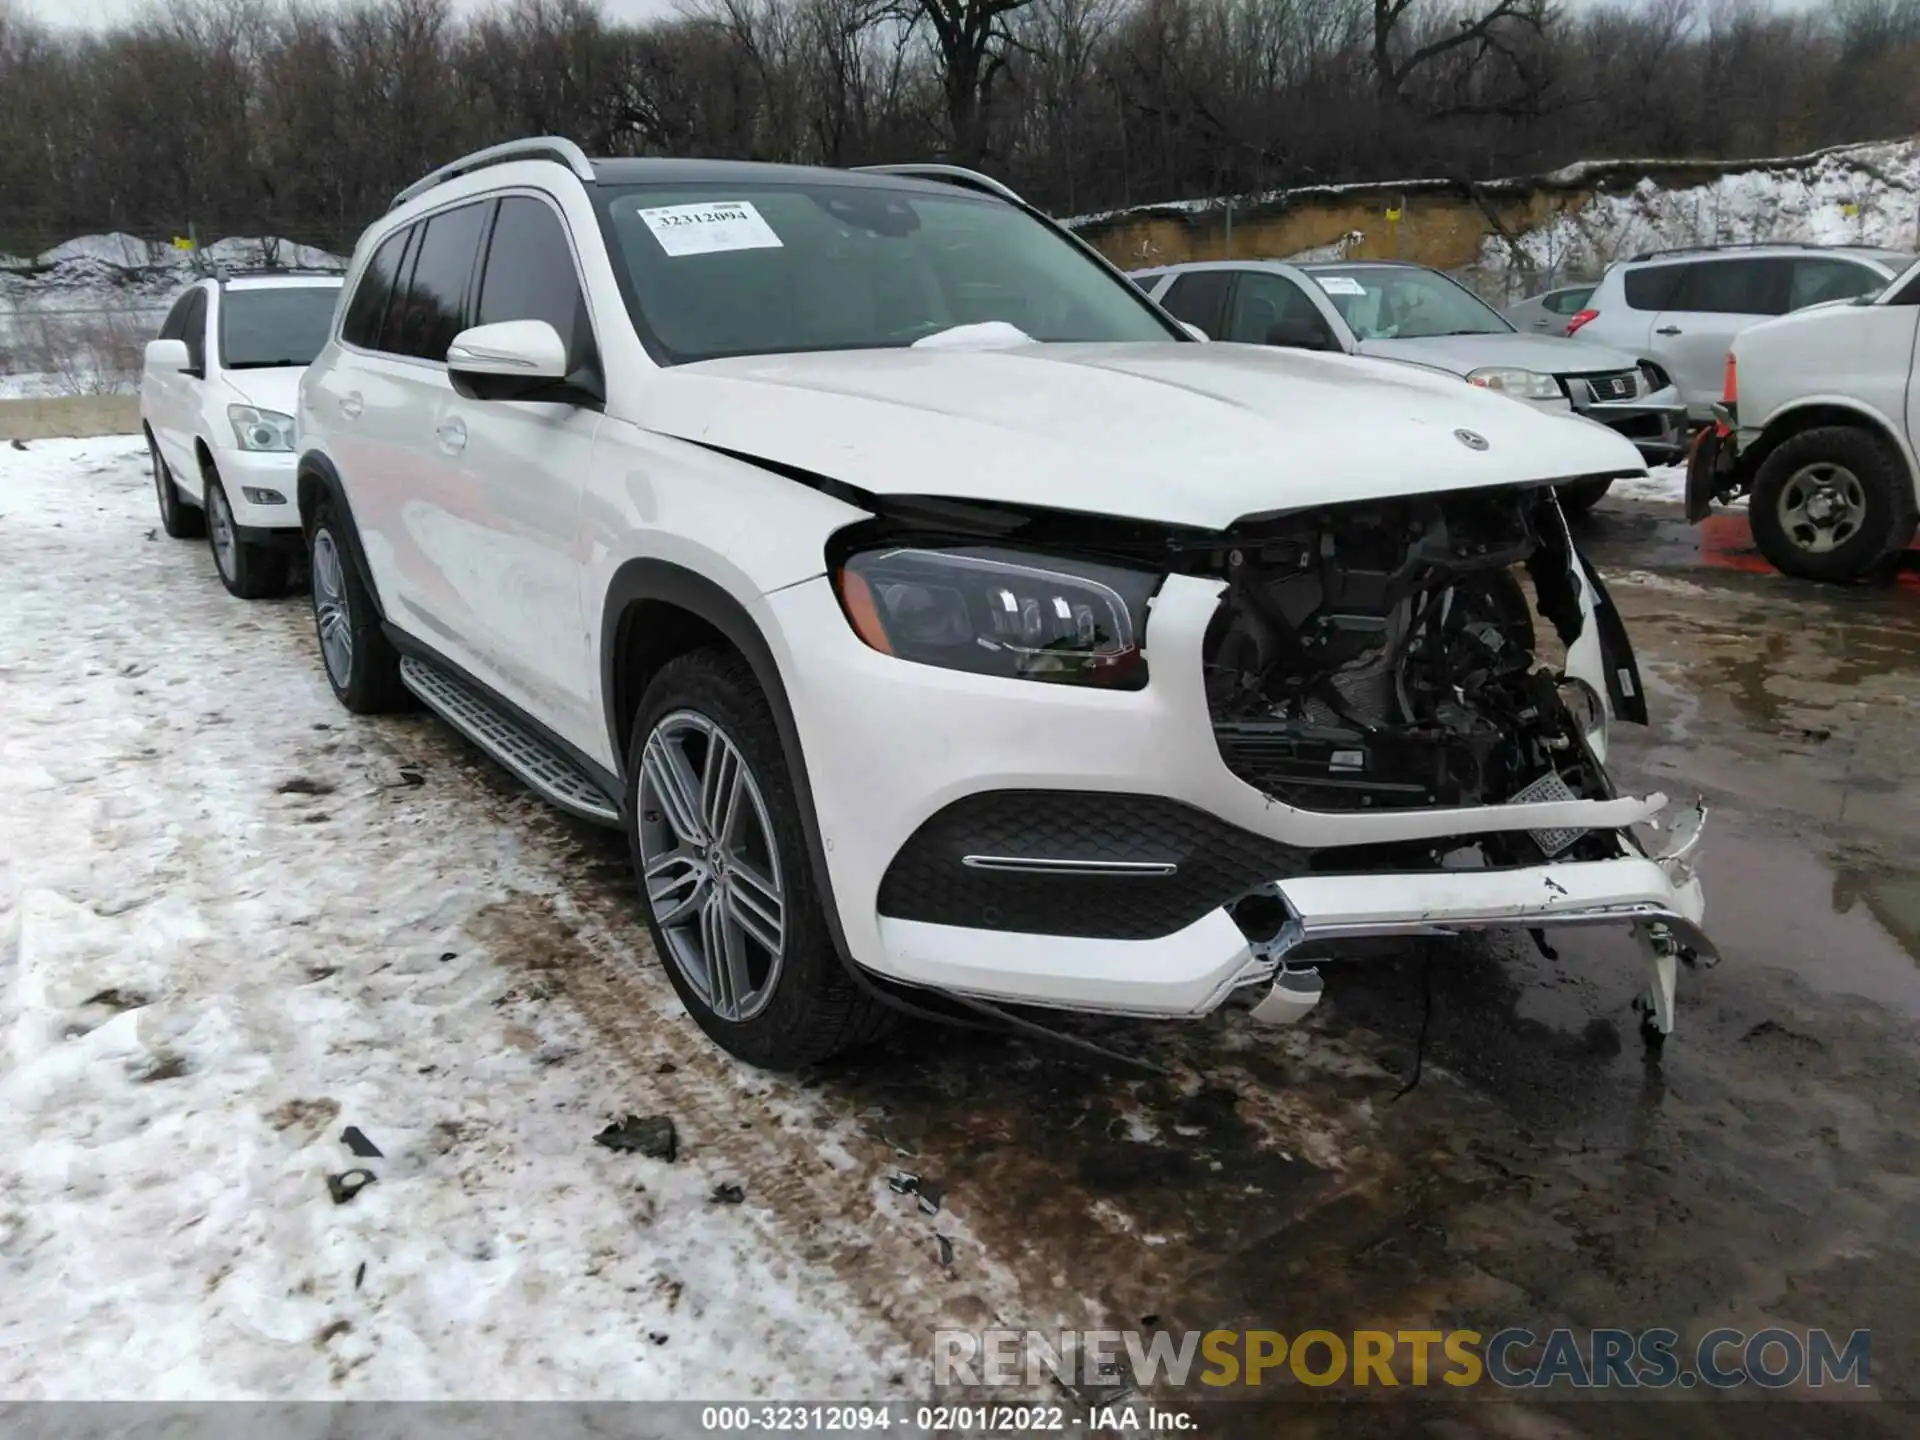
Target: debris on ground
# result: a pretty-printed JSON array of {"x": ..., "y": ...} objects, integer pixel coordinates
[
  {"x": 360, "y": 1275},
  {"x": 929, "y": 1192},
  {"x": 304, "y": 785},
  {"x": 945, "y": 1249},
  {"x": 355, "y": 1140},
  {"x": 651, "y": 1135},
  {"x": 728, "y": 1193},
  {"x": 345, "y": 1186}
]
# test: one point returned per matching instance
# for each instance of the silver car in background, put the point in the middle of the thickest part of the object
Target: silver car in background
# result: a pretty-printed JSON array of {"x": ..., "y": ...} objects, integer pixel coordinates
[{"x": 1388, "y": 310}]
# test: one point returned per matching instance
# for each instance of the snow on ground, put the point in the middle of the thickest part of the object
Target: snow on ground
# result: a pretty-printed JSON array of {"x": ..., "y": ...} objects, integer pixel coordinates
[
  {"x": 1856, "y": 195},
  {"x": 230, "y": 926}
]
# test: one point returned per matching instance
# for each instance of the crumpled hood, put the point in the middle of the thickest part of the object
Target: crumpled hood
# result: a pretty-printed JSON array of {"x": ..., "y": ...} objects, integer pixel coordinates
[
  {"x": 1543, "y": 354},
  {"x": 1183, "y": 434},
  {"x": 273, "y": 388}
]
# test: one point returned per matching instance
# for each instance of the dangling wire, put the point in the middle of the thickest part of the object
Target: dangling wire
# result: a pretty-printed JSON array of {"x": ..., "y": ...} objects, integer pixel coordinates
[{"x": 1426, "y": 1019}]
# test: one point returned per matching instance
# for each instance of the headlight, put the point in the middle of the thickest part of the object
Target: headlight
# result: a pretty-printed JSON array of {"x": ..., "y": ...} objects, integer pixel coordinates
[
  {"x": 1520, "y": 384},
  {"x": 999, "y": 612},
  {"x": 260, "y": 429}
]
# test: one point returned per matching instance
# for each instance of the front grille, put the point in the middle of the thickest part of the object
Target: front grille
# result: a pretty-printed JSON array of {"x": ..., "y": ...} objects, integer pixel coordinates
[
  {"x": 1213, "y": 863},
  {"x": 1620, "y": 385}
]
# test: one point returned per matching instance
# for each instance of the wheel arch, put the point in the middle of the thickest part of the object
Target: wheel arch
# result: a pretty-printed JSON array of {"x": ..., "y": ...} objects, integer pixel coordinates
[
  {"x": 1816, "y": 412},
  {"x": 317, "y": 482},
  {"x": 655, "y": 610}
]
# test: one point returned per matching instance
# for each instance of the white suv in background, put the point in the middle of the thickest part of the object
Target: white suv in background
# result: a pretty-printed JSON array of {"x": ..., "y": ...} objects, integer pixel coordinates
[
  {"x": 1680, "y": 309},
  {"x": 216, "y": 405},
  {"x": 945, "y": 626}
]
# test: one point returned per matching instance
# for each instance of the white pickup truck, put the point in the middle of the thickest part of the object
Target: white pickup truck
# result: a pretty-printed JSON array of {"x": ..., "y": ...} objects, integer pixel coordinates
[{"x": 1817, "y": 425}]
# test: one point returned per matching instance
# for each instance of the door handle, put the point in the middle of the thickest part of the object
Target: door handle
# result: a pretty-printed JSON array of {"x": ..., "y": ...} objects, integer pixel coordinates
[
  {"x": 452, "y": 435},
  {"x": 1669, "y": 330},
  {"x": 351, "y": 405}
]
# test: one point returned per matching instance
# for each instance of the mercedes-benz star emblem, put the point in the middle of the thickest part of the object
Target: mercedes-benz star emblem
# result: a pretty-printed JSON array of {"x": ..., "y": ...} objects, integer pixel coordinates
[{"x": 1469, "y": 439}]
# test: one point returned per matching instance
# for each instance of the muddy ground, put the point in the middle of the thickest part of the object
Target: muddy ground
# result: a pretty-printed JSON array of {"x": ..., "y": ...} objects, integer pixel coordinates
[{"x": 1549, "y": 1169}]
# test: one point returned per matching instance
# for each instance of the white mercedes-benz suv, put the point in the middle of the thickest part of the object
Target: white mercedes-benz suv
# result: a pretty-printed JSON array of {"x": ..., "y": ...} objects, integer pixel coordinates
[{"x": 947, "y": 627}]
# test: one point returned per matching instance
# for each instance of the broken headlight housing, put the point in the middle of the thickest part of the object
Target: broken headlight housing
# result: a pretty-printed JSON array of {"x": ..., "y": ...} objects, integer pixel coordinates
[{"x": 1001, "y": 612}]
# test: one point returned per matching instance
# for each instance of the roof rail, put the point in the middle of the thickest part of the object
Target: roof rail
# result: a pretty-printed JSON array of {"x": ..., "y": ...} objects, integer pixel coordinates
[
  {"x": 1709, "y": 248},
  {"x": 262, "y": 272},
  {"x": 951, "y": 174},
  {"x": 544, "y": 147}
]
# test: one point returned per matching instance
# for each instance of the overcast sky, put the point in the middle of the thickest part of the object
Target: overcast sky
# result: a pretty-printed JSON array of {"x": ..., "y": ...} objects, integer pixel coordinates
[{"x": 105, "y": 12}]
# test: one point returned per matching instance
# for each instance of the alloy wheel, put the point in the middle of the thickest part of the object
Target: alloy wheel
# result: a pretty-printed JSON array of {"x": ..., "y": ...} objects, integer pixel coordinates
[
  {"x": 220, "y": 530},
  {"x": 331, "y": 613},
  {"x": 1821, "y": 507},
  {"x": 162, "y": 483},
  {"x": 709, "y": 865}
]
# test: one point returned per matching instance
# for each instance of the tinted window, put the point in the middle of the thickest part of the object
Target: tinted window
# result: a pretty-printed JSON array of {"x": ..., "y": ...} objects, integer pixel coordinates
[
  {"x": 769, "y": 267},
  {"x": 362, "y": 324},
  {"x": 530, "y": 275},
  {"x": 1270, "y": 309},
  {"x": 262, "y": 328},
  {"x": 1147, "y": 281},
  {"x": 1405, "y": 302},
  {"x": 1735, "y": 287},
  {"x": 435, "y": 307},
  {"x": 175, "y": 325},
  {"x": 1197, "y": 297},
  {"x": 1818, "y": 280},
  {"x": 1567, "y": 302},
  {"x": 1654, "y": 287},
  {"x": 193, "y": 329},
  {"x": 389, "y": 336}
]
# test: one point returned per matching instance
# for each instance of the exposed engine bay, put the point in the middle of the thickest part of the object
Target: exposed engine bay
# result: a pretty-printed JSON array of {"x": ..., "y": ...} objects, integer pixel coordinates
[{"x": 1383, "y": 656}]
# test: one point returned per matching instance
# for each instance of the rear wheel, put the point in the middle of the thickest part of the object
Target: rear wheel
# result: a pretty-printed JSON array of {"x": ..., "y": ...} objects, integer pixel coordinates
[
  {"x": 362, "y": 666},
  {"x": 178, "y": 519},
  {"x": 250, "y": 570},
  {"x": 1834, "y": 503},
  {"x": 729, "y": 892}
]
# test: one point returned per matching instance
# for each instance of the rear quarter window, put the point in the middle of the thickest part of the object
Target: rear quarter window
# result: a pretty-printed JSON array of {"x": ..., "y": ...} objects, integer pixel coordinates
[{"x": 1654, "y": 286}]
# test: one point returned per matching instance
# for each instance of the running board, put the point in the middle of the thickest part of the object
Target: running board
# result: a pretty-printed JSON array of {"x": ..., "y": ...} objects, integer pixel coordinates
[{"x": 534, "y": 762}]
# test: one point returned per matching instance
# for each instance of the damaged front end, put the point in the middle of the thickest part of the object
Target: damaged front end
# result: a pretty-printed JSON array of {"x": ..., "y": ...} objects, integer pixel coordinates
[{"x": 1383, "y": 657}]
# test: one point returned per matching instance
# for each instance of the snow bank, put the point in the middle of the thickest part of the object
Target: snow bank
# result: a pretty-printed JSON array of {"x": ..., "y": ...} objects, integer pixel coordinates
[{"x": 1858, "y": 195}]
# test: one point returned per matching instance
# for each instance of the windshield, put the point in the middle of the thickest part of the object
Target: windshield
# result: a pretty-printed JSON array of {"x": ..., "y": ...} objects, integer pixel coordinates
[
  {"x": 762, "y": 269},
  {"x": 1395, "y": 302},
  {"x": 263, "y": 328}
]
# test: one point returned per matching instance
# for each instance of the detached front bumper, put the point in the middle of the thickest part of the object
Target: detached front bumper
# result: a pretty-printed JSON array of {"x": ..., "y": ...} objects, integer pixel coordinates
[{"x": 1656, "y": 423}]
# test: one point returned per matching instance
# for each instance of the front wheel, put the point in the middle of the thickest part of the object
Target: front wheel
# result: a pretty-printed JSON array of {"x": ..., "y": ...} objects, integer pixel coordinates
[
  {"x": 728, "y": 890},
  {"x": 362, "y": 666},
  {"x": 248, "y": 570},
  {"x": 1582, "y": 495},
  {"x": 178, "y": 519},
  {"x": 1834, "y": 503}
]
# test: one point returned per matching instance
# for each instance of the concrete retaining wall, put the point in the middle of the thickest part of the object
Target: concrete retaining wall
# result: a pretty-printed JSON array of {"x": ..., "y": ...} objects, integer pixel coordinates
[{"x": 78, "y": 416}]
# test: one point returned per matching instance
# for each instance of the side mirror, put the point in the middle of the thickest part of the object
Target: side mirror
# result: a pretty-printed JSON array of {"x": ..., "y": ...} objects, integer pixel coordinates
[
  {"x": 513, "y": 360},
  {"x": 167, "y": 355},
  {"x": 1194, "y": 330}
]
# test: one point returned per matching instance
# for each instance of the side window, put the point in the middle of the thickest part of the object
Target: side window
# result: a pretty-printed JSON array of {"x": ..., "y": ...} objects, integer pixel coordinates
[
  {"x": 1145, "y": 283},
  {"x": 1827, "y": 279},
  {"x": 175, "y": 325},
  {"x": 435, "y": 307},
  {"x": 1197, "y": 298},
  {"x": 397, "y": 302},
  {"x": 369, "y": 304},
  {"x": 530, "y": 276},
  {"x": 1755, "y": 286},
  {"x": 194, "y": 329},
  {"x": 1270, "y": 309},
  {"x": 1654, "y": 287},
  {"x": 1569, "y": 302}
]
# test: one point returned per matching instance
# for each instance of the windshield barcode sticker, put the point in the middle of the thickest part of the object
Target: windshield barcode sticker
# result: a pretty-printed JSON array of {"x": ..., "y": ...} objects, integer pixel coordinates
[{"x": 709, "y": 228}]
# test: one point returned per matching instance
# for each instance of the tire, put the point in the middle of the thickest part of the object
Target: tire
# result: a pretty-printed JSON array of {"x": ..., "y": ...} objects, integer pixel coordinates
[
  {"x": 1581, "y": 496},
  {"x": 365, "y": 671},
  {"x": 791, "y": 1002},
  {"x": 248, "y": 570},
  {"x": 1839, "y": 486},
  {"x": 178, "y": 519}
]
